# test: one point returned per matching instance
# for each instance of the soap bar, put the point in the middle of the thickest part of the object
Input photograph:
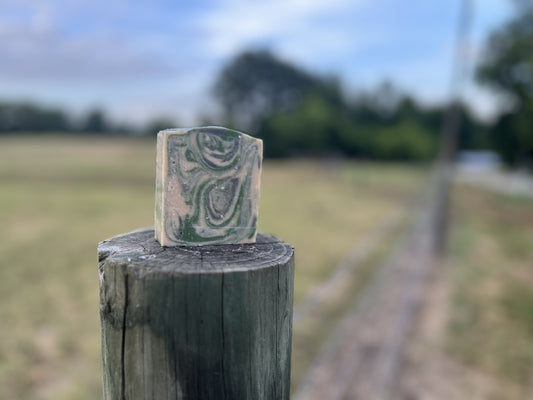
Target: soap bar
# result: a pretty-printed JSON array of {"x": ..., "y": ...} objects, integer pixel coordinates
[{"x": 207, "y": 186}]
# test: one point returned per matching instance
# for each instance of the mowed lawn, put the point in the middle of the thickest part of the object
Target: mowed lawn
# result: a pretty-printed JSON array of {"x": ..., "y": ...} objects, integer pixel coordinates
[{"x": 60, "y": 196}]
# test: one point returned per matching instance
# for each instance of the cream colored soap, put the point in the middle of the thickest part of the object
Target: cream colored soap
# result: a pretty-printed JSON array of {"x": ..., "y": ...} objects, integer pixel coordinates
[{"x": 207, "y": 186}]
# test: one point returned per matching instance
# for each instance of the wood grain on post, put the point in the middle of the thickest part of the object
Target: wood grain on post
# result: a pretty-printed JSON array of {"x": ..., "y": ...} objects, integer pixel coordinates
[{"x": 208, "y": 322}]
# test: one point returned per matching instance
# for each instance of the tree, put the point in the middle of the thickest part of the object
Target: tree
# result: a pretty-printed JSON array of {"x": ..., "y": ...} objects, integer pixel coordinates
[
  {"x": 298, "y": 113},
  {"x": 158, "y": 124},
  {"x": 508, "y": 68},
  {"x": 95, "y": 122},
  {"x": 404, "y": 141},
  {"x": 256, "y": 84},
  {"x": 310, "y": 129},
  {"x": 31, "y": 118}
]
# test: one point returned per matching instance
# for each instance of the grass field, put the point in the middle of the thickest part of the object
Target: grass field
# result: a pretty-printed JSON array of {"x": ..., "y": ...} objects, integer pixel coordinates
[
  {"x": 491, "y": 325},
  {"x": 60, "y": 196}
]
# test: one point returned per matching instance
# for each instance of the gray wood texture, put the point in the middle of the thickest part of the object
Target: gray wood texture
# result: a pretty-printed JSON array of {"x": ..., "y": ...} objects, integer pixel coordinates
[{"x": 209, "y": 322}]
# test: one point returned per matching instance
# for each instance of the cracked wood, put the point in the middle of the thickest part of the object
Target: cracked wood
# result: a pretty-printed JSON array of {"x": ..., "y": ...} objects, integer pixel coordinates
[{"x": 209, "y": 322}]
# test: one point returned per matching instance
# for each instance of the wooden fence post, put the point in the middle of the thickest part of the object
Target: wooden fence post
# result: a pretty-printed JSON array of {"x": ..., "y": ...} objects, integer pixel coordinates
[{"x": 208, "y": 322}]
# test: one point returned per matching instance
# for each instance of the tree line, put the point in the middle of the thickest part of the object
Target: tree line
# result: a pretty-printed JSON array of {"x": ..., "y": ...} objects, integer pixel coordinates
[
  {"x": 299, "y": 113},
  {"x": 295, "y": 112},
  {"x": 33, "y": 118}
]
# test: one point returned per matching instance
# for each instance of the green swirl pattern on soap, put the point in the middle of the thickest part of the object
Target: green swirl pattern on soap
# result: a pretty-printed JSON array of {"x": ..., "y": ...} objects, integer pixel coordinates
[{"x": 212, "y": 186}]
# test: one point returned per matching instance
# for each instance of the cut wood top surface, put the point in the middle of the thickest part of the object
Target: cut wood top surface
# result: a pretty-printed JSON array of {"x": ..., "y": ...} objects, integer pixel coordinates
[
  {"x": 143, "y": 254},
  {"x": 207, "y": 186}
]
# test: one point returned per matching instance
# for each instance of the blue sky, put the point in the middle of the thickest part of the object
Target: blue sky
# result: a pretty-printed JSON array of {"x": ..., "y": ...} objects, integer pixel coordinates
[{"x": 139, "y": 59}]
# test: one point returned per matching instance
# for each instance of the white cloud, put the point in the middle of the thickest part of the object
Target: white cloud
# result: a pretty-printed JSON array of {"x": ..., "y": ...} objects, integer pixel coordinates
[
  {"x": 51, "y": 56},
  {"x": 237, "y": 24},
  {"x": 42, "y": 40}
]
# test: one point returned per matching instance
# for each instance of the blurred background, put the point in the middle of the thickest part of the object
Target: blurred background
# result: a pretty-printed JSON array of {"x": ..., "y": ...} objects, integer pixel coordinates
[{"x": 412, "y": 282}]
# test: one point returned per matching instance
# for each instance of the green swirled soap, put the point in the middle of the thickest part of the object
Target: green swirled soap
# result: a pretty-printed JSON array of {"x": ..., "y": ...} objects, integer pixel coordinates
[{"x": 207, "y": 186}]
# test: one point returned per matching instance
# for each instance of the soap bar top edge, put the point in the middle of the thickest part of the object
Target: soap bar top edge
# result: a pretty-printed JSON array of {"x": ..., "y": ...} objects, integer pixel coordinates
[{"x": 184, "y": 131}]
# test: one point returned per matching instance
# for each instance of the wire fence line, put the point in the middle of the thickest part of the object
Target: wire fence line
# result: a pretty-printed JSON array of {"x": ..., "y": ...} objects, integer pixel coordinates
[
  {"x": 357, "y": 255},
  {"x": 410, "y": 303},
  {"x": 362, "y": 357},
  {"x": 354, "y": 258},
  {"x": 343, "y": 334}
]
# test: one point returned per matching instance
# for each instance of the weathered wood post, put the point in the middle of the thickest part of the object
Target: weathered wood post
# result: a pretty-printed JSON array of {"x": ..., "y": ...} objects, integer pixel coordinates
[{"x": 198, "y": 320}]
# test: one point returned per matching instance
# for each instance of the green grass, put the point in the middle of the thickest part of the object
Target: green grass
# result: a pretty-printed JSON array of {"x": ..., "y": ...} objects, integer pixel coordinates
[
  {"x": 491, "y": 326},
  {"x": 60, "y": 196}
]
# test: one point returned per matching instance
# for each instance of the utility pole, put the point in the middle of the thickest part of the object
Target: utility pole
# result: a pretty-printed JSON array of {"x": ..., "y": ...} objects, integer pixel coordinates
[{"x": 450, "y": 130}]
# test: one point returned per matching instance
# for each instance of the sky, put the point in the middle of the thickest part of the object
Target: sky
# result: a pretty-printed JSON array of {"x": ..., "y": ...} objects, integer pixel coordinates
[{"x": 144, "y": 59}]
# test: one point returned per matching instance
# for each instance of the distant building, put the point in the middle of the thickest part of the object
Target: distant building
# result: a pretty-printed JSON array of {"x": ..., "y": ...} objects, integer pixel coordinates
[{"x": 478, "y": 161}]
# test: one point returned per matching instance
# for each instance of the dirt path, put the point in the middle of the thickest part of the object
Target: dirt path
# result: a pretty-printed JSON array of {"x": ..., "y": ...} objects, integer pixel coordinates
[{"x": 364, "y": 356}]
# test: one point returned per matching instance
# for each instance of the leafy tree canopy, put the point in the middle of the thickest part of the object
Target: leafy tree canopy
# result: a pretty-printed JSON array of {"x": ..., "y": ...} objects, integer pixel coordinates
[
  {"x": 298, "y": 113},
  {"x": 95, "y": 122},
  {"x": 28, "y": 117},
  {"x": 256, "y": 84},
  {"x": 508, "y": 68}
]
